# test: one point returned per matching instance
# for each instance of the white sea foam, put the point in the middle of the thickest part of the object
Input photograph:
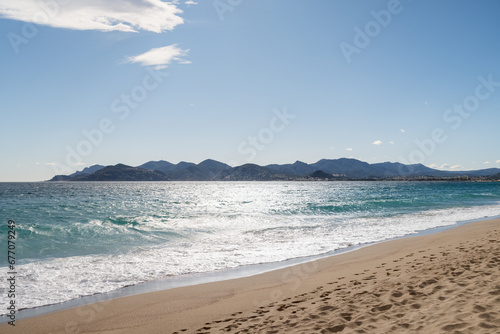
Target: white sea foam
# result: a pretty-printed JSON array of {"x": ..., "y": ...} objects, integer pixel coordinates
[{"x": 220, "y": 243}]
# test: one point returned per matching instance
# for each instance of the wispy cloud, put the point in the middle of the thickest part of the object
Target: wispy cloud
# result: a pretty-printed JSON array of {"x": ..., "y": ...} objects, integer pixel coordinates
[
  {"x": 486, "y": 163},
  {"x": 446, "y": 167},
  {"x": 391, "y": 142},
  {"x": 402, "y": 130},
  {"x": 190, "y": 2},
  {"x": 377, "y": 142},
  {"x": 348, "y": 149},
  {"x": 498, "y": 161},
  {"x": 161, "y": 57},
  {"x": 124, "y": 15}
]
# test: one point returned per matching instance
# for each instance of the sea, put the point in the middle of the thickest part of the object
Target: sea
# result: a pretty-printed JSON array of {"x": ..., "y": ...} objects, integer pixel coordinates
[{"x": 77, "y": 239}]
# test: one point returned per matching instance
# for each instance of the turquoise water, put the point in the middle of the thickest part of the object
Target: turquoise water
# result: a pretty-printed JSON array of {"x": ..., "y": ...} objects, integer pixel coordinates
[{"x": 77, "y": 239}]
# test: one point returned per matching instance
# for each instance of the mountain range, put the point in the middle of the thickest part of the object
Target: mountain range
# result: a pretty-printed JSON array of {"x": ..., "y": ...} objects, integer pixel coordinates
[{"x": 325, "y": 169}]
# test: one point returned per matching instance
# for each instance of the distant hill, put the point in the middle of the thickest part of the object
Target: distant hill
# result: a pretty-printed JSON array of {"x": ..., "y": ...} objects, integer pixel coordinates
[
  {"x": 122, "y": 172},
  {"x": 480, "y": 172},
  {"x": 85, "y": 171},
  {"x": 385, "y": 169},
  {"x": 162, "y": 166},
  {"x": 206, "y": 170},
  {"x": 353, "y": 168},
  {"x": 297, "y": 168},
  {"x": 344, "y": 166},
  {"x": 250, "y": 172},
  {"x": 165, "y": 166},
  {"x": 319, "y": 174},
  {"x": 212, "y": 167},
  {"x": 187, "y": 171},
  {"x": 212, "y": 170}
]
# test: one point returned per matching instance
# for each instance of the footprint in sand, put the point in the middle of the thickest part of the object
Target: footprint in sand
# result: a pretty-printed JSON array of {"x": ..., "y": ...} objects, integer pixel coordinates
[
  {"x": 346, "y": 316},
  {"x": 334, "y": 329},
  {"x": 454, "y": 326},
  {"x": 326, "y": 308},
  {"x": 397, "y": 294},
  {"x": 428, "y": 282},
  {"x": 382, "y": 308},
  {"x": 479, "y": 309}
]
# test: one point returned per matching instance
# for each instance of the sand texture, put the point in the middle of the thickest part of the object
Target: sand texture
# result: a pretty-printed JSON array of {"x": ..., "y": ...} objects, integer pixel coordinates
[
  {"x": 452, "y": 289},
  {"x": 448, "y": 282}
]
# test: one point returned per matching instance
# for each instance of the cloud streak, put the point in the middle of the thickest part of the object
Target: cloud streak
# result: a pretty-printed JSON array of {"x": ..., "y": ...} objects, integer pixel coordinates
[
  {"x": 161, "y": 57},
  {"x": 113, "y": 15},
  {"x": 446, "y": 167}
]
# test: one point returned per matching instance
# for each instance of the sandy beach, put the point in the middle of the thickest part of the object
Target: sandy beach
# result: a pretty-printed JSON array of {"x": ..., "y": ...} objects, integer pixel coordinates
[{"x": 447, "y": 282}]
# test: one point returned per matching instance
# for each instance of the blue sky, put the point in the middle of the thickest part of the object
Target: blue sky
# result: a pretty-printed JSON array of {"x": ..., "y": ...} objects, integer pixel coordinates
[{"x": 261, "y": 81}]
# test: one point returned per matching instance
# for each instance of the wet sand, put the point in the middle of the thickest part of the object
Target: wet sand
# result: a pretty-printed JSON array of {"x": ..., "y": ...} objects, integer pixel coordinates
[{"x": 447, "y": 282}]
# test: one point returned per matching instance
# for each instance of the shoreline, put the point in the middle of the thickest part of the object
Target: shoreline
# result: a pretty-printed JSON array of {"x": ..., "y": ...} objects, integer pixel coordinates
[
  {"x": 210, "y": 277},
  {"x": 192, "y": 307}
]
